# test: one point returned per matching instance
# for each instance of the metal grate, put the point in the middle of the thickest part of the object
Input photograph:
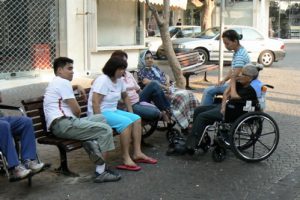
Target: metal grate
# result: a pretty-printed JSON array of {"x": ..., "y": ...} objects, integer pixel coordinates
[{"x": 28, "y": 35}]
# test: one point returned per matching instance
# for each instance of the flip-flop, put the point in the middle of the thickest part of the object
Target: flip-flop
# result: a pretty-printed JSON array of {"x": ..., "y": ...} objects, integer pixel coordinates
[
  {"x": 129, "y": 167},
  {"x": 148, "y": 161}
]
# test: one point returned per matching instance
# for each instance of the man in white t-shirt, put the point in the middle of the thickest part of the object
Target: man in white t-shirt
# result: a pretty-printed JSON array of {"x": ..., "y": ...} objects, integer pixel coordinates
[{"x": 62, "y": 114}]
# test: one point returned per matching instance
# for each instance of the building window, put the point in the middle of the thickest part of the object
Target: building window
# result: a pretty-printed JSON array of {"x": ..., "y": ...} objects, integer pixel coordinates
[{"x": 119, "y": 23}]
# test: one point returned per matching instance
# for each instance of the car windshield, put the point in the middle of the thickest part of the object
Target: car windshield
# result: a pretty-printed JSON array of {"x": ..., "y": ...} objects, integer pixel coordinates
[
  {"x": 209, "y": 33},
  {"x": 173, "y": 30}
]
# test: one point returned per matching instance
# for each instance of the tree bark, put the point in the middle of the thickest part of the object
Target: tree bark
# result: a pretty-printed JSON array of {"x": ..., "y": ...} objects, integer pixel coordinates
[
  {"x": 206, "y": 17},
  {"x": 163, "y": 25}
]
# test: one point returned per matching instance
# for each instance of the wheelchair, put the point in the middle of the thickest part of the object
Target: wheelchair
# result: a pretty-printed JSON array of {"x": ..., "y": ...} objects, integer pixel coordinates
[{"x": 250, "y": 133}]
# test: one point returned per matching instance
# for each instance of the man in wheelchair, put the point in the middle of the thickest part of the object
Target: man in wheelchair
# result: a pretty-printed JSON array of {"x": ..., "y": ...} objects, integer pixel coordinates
[
  {"x": 18, "y": 126},
  {"x": 239, "y": 89}
]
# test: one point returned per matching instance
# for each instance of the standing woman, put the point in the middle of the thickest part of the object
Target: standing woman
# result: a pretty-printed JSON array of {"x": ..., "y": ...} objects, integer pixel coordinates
[
  {"x": 105, "y": 93},
  {"x": 183, "y": 102},
  {"x": 231, "y": 40}
]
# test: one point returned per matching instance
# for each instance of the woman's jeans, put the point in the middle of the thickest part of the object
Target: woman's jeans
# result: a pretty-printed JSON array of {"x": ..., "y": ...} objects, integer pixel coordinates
[
  {"x": 152, "y": 92},
  {"x": 210, "y": 93},
  {"x": 146, "y": 112}
]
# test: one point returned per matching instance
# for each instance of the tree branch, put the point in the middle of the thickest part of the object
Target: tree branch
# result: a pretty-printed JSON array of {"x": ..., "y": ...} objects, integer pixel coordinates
[{"x": 159, "y": 21}]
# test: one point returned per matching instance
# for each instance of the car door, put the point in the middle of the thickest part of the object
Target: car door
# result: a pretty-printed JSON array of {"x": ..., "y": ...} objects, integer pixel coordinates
[{"x": 253, "y": 41}]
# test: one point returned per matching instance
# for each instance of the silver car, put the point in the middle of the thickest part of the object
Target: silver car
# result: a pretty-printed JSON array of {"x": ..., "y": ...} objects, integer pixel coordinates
[
  {"x": 261, "y": 49},
  {"x": 153, "y": 43}
]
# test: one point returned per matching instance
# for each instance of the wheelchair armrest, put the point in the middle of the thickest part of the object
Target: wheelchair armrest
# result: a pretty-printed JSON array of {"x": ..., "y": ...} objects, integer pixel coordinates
[{"x": 8, "y": 107}]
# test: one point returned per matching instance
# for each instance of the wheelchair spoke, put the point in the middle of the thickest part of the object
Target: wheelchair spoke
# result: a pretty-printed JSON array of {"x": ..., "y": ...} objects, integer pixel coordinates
[
  {"x": 264, "y": 145},
  {"x": 253, "y": 151},
  {"x": 265, "y": 134}
]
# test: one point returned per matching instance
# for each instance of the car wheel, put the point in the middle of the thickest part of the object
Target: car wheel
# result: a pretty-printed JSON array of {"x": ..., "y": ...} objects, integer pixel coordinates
[
  {"x": 266, "y": 58},
  {"x": 203, "y": 56}
]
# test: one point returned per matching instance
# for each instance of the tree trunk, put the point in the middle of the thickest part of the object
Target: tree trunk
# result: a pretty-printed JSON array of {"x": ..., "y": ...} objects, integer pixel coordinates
[
  {"x": 206, "y": 17},
  {"x": 163, "y": 25}
]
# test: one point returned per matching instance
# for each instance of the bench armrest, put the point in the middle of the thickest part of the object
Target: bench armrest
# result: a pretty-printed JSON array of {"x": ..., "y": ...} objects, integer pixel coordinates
[{"x": 7, "y": 107}]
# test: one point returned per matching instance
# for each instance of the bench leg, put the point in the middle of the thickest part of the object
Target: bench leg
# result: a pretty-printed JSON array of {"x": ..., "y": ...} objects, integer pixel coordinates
[
  {"x": 64, "y": 169},
  {"x": 187, "y": 82},
  {"x": 205, "y": 77}
]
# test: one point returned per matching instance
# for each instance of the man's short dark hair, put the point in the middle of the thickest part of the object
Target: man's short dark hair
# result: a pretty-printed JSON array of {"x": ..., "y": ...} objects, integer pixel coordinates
[
  {"x": 61, "y": 62},
  {"x": 119, "y": 53},
  {"x": 113, "y": 64}
]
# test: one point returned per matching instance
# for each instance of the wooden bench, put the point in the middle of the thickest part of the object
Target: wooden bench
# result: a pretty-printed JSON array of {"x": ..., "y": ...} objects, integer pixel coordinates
[
  {"x": 34, "y": 109},
  {"x": 189, "y": 62}
]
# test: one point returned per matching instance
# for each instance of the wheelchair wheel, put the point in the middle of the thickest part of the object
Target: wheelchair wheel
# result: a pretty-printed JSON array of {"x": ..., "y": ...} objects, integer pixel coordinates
[
  {"x": 219, "y": 154},
  {"x": 148, "y": 128},
  {"x": 254, "y": 136}
]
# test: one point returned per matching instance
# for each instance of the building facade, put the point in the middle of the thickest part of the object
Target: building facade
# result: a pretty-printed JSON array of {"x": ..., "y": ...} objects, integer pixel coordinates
[{"x": 33, "y": 33}]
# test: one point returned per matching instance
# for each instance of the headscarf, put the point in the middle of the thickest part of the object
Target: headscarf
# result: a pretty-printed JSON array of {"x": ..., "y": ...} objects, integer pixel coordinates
[{"x": 142, "y": 63}]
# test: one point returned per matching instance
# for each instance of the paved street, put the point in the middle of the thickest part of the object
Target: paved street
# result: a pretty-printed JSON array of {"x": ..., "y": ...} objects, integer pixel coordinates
[{"x": 184, "y": 177}]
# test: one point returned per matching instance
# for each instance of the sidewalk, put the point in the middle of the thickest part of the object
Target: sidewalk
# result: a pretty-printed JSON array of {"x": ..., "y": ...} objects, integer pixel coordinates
[{"x": 182, "y": 177}]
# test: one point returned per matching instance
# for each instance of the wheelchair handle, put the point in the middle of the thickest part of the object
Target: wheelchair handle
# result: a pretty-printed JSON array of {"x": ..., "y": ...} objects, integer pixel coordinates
[{"x": 269, "y": 86}]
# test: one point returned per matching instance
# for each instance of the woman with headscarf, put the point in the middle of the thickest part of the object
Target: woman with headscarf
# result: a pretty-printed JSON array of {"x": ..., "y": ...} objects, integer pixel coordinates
[{"x": 183, "y": 102}]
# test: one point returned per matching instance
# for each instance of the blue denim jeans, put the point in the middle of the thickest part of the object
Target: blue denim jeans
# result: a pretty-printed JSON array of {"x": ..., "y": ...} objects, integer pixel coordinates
[
  {"x": 146, "y": 112},
  {"x": 152, "y": 92},
  {"x": 210, "y": 92},
  {"x": 11, "y": 126}
]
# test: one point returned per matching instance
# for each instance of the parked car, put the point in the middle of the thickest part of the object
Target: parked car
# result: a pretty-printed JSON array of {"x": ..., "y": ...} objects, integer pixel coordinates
[
  {"x": 261, "y": 49},
  {"x": 153, "y": 43}
]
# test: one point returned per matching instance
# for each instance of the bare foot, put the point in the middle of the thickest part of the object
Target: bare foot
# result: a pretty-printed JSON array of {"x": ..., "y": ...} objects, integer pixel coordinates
[
  {"x": 141, "y": 156},
  {"x": 129, "y": 162}
]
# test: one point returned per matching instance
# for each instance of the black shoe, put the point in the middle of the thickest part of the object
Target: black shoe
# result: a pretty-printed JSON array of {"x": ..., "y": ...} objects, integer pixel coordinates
[
  {"x": 106, "y": 177},
  {"x": 186, "y": 131},
  {"x": 111, "y": 171}
]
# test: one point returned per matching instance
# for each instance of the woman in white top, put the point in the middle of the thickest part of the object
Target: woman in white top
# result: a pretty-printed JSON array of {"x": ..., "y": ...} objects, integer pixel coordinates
[{"x": 105, "y": 93}]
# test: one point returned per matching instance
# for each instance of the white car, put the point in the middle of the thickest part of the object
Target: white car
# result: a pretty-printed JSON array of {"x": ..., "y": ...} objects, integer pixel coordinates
[
  {"x": 261, "y": 49},
  {"x": 153, "y": 43}
]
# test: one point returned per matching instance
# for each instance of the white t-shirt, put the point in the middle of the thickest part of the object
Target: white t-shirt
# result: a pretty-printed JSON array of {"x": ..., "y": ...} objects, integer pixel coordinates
[
  {"x": 111, "y": 91},
  {"x": 57, "y": 92}
]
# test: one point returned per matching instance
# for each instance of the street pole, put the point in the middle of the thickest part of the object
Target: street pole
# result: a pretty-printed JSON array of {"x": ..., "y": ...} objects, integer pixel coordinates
[{"x": 222, "y": 9}]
